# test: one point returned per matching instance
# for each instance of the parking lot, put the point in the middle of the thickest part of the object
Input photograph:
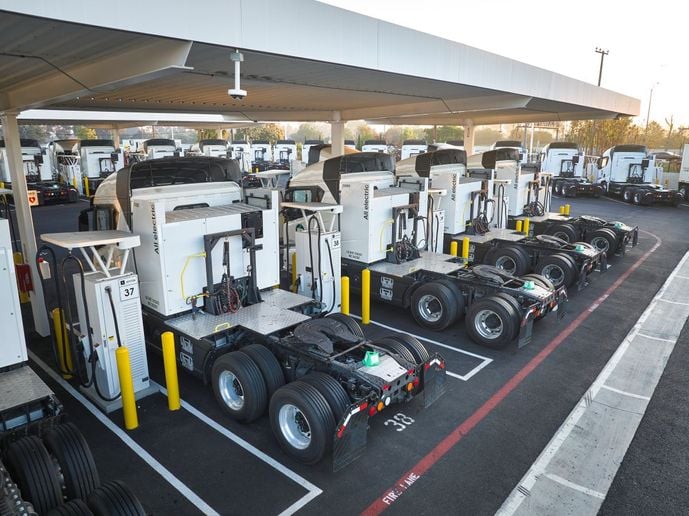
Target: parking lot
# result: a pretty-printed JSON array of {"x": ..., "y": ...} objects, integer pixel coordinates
[{"x": 464, "y": 454}]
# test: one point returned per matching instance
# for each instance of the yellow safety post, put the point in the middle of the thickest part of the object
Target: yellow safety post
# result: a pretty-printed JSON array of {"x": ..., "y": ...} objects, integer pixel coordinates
[
  {"x": 64, "y": 353},
  {"x": 19, "y": 260},
  {"x": 453, "y": 248},
  {"x": 366, "y": 296},
  {"x": 465, "y": 248},
  {"x": 74, "y": 182},
  {"x": 170, "y": 364},
  {"x": 525, "y": 226},
  {"x": 562, "y": 209},
  {"x": 124, "y": 372},
  {"x": 518, "y": 226},
  {"x": 293, "y": 286},
  {"x": 345, "y": 295},
  {"x": 568, "y": 208},
  {"x": 87, "y": 190},
  {"x": 2, "y": 184}
]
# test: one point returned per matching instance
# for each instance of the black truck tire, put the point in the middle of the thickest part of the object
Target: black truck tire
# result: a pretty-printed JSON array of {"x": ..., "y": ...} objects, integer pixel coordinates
[
  {"x": 511, "y": 259},
  {"x": 564, "y": 231},
  {"x": 239, "y": 386},
  {"x": 628, "y": 194},
  {"x": 302, "y": 421},
  {"x": 80, "y": 476},
  {"x": 557, "y": 187},
  {"x": 349, "y": 322},
  {"x": 558, "y": 269},
  {"x": 395, "y": 346},
  {"x": 570, "y": 190},
  {"x": 270, "y": 367},
  {"x": 74, "y": 507},
  {"x": 490, "y": 322},
  {"x": 414, "y": 347},
  {"x": 332, "y": 391},
  {"x": 515, "y": 307},
  {"x": 457, "y": 292},
  {"x": 603, "y": 239},
  {"x": 115, "y": 497},
  {"x": 433, "y": 306},
  {"x": 33, "y": 470}
]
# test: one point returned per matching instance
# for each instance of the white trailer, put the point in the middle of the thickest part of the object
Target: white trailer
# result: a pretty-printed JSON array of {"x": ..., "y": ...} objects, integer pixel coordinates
[
  {"x": 413, "y": 147},
  {"x": 627, "y": 171},
  {"x": 374, "y": 146}
]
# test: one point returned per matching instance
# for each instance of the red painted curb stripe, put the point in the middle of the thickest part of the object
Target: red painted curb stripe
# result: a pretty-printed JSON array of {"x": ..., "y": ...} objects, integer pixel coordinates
[{"x": 421, "y": 467}]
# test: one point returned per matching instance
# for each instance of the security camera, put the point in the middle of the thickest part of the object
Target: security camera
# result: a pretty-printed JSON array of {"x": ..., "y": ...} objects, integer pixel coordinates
[{"x": 237, "y": 93}]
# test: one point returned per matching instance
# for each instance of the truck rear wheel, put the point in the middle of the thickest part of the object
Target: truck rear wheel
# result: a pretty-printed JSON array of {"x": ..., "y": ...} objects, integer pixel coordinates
[
  {"x": 491, "y": 322},
  {"x": 557, "y": 187},
  {"x": 302, "y": 421},
  {"x": 515, "y": 306},
  {"x": 603, "y": 239},
  {"x": 433, "y": 306},
  {"x": 628, "y": 194},
  {"x": 33, "y": 470},
  {"x": 564, "y": 232},
  {"x": 458, "y": 295},
  {"x": 510, "y": 259},
  {"x": 332, "y": 391},
  {"x": 80, "y": 476},
  {"x": 349, "y": 322},
  {"x": 115, "y": 497},
  {"x": 239, "y": 386},
  {"x": 558, "y": 269},
  {"x": 570, "y": 190},
  {"x": 684, "y": 192},
  {"x": 270, "y": 367},
  {"x": 414, "y": 347}
]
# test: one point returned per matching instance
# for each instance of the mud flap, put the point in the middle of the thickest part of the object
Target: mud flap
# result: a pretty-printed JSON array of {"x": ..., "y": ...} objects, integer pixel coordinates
[
  {"x": 526, "y": 330},
  {"x": 603, "y": 263},
  {"x": 349, "y": 441},
  {"x": 434, "y": 384},
  {"x": 635, "y": 236},
  {"x": 582, "y": 277}
]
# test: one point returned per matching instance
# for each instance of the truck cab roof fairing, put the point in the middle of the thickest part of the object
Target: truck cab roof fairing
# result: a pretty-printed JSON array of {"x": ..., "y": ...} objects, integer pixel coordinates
[
  {"x": 334, "y": 168},
  {"x": 425, "y": 161}
]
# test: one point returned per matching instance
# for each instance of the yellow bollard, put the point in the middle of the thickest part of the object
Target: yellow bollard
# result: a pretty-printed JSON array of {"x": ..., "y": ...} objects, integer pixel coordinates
[
  {"x": 345, "y": 295},
  {"x": 562, "y": 209},
  {"x": 518, "y": 226},
  {"x": 453, "y": 248},
  {"x": 366, "y": 296},
  {"x": 87, "y": 191},
  {"x": 526, "y": 226},
  {"x": 465, "y": 248},
  {"x": 64, "y": 352},
  {"x": 568, "y": 209},
  {"x": 170, "y": 364},
  {"x": 19, "y": 260},
  {"x": 293, "y": 286},
  {"x": 124, "y": 372}
]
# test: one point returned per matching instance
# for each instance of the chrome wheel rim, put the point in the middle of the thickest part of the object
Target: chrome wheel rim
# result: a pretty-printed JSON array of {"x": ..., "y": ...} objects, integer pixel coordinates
[
  {"x": 294, "y": 426},
  {"x": 430, "y": 309},
  {"x": 554, "y": 273},
  {"x": 600, "y": 243},
  {"x": 562, "y": 236},
  {"x": 488, "y": 324},
  {"x": 231, "y": 390},
  {"x": 506, "y": 264}
]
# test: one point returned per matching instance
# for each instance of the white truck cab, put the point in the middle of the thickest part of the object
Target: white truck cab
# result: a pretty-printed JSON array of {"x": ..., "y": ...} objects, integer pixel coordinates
[{"x": 413, "y": 147}]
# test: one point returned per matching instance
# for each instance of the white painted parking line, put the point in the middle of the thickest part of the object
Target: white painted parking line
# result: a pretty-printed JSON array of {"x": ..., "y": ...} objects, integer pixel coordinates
[
  {"x": 681, "y": 277},
  {"x": 673, "y": 302},
  {"x": 592, "y": 442},
  {"x": 180, "y": 486},
  {"x": 465, "y": 377},
  {"x": 576, "y": 487},
  {"x": 625, "y": 393},
  {"x": 313, "y": 491}
]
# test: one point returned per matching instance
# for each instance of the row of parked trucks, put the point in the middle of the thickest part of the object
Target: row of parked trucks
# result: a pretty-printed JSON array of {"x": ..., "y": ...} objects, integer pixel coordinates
[{"x": 183, "y": 245}]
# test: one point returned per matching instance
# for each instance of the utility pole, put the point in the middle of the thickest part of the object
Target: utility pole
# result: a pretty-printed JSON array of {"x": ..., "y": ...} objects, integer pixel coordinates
[{"x": 602, "y": 53}]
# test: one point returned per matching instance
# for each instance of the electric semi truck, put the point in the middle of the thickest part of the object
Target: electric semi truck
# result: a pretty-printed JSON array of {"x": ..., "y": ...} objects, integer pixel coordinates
[{"x": 208, "y": 267}]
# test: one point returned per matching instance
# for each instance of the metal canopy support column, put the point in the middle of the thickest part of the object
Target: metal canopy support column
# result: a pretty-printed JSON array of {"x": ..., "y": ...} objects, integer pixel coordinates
[
  {"x": 24, "y": 219},
  {"x": 469, "y": 137},
  {"x": 116, "y": 136},
  {"x": 337, "y": 134}
]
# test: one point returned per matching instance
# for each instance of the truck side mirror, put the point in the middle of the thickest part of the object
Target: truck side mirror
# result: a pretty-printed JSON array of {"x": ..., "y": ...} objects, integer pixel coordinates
[
  {"x": 114, "y": 157},
  {"x": 87, "y": 220},
  {"x": 575, "y": 159},
  {"x": 645, "y": 162},
  {"x": 38, "y": 159}
]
